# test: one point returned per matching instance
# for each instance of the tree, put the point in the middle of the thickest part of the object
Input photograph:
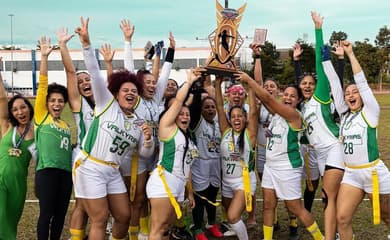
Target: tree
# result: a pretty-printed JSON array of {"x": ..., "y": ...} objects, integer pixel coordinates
[
  {"x": 368, "y": 59},
  {"x": 382, "y": 41},
  {"x": 270, "y": 60},
  {"x": 383, "y": 38},
  {"x": 337, "y": 36}
]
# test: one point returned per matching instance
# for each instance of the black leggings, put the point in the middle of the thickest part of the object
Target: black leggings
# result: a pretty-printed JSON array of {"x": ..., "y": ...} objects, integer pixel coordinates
[
  {"x": 197, "y": 213},
  {"x": 53, "y": 188}
]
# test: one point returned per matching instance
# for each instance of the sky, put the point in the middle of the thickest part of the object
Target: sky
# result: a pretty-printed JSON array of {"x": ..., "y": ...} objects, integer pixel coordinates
[{"x": 286, "y": 20}]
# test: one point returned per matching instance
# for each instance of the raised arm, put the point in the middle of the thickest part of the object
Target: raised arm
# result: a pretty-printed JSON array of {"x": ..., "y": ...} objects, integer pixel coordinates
[
  {"x": 297, "y": 53},
  {"x": 339, "y": 52},
  {"x": 167, "y": 122},
  {"x": 322, "y": 88},
  {"x": 108, "y": 56},
  {"x": 371, "y": 107},
  {"x": 257, "y": 71},
  {"x": 210, "y": 89},
  {"x": 335, "y": 85},
  {"x": 157, "y": 59},
  {"x": 166, "y": 69},
  {"x": 128, "y": 31},
  {"x": 4, "y": 118},
  {"x": 222, "y": 119},
  {"x": 253, "y": 118},
  {"x": 40, "y": 101},
  {"x": 272, "y": 104},
  {"x": 71, "y": 79},
  {"x": 101, "y": 94}
]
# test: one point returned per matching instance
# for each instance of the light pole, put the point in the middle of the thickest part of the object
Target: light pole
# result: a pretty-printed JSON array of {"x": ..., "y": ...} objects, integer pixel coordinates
[{"x": 12, "y": 56}]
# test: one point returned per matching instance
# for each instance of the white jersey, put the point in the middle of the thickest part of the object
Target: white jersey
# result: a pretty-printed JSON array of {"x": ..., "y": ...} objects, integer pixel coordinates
[
  {"x": 83, "y": 119},
  {"x": 264, "y": 121},
  {"x": 321, "y": 130},
  {"x": 112, "y": 135},
  {"x": 282, "y": 150},
  {"x": 208, "y": 139},
  {"x": 231, "y": 157},
  {"x": 360, "y": 143},
  {"x": 171, "y": 155}
]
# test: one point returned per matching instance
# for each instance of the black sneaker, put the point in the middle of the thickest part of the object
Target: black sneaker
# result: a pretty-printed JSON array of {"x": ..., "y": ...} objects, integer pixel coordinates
[
  {"x": 276, "y": 226},
  {"x": 293, "y": 235},
  {"x": 181, "y": 233}
]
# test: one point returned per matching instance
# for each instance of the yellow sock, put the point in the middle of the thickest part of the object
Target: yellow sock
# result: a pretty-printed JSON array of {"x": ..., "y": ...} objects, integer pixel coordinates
[
  {"x": 268, "y": 232},
  {"x": 133, "y": 232},
  {"x": 77, "y": 234},
  {"x": 294, "y": 222},
  {"x": 315, "y": 231},
  {"x": 223, "y": 216},
  {"x": 144, "y": 225},
  {"x": 276, "y": 216}
]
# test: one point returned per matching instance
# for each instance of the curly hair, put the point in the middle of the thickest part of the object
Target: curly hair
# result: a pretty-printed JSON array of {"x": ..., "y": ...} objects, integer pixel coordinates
[
  {"x": 12, "y": 119},
  {"x": 57, "y": 88},
  {"x": 120, "y": 77}
]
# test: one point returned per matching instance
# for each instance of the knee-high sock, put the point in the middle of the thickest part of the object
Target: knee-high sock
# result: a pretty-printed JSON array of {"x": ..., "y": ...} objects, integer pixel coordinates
[
  {"x": 315, "y": 231},
  {"x": 240, "y": 229}
]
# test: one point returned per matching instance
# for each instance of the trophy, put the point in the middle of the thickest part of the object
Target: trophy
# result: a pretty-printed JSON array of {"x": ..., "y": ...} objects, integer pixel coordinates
[{"x": 225, "y": 41}]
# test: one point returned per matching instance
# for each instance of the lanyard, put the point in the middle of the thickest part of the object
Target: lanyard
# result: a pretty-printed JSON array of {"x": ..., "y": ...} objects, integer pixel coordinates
[
  {"x": 17, "y": 144},
  {"x": 347, "y": 123}
]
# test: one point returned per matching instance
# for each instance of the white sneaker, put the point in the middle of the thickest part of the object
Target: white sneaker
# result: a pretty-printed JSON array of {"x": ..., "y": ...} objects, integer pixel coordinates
[{"x": 227, "y": 230}]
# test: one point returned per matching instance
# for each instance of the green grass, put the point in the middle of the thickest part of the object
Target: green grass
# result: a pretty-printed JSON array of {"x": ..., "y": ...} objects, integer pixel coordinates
[{"x": 363, "y": 227}]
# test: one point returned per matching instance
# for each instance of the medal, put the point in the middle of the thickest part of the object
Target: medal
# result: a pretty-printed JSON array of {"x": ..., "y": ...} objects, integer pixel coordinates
[
  {"x": 211, "y": 146},
  {"x": 341, "y": 139},
  {"x": 14, "y": 152}
]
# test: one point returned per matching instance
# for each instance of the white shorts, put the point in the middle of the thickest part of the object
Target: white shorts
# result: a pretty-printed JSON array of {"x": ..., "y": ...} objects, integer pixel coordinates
[
  {"x": 362, "y": 178},
  {"x": 76, "y": 150},
  {"x": 204, "y": 173},
  {"x": 94, "y": 180},
  {"x": 155, "y": 187},
  {"x": 332, "y": 156},
  {"x": 260, "y": 158},
  {"x": 230, "y": 185},
  {"x": 126, "y": 165},
  {"x": 313, "y": 164},
  {"x": 286, "y": 183}
]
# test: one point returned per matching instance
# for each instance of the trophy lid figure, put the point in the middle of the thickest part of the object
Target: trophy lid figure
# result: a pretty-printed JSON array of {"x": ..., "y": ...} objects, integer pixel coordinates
[{"x": 225, "y": 41}]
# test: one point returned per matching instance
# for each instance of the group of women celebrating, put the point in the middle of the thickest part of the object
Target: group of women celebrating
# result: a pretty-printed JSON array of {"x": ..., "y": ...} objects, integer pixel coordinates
[{"x": 141, "y": 136}]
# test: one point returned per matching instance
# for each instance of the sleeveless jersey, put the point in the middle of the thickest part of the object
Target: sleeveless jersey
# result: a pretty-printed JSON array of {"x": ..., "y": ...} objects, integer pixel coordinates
[
  {"x": 171, "y": 155},
  {"x": 360, "y": 145},
  {"x": 231, "y": 165},
  {"x": 321, "y": 130},
  {"x": 111, "y": 135},
  {"x": 282, "y": 150},
  {"x": 54, "y": 145},
  {"x": 83, "y": 119},
  {"x": 11, "y": 165},
  {"x": 208, "y": 139}
]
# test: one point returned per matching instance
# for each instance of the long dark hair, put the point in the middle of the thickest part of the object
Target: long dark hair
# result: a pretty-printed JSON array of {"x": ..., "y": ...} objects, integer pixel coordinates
[
  {"x": 242, "y": 134},
  {"x": 11, "y": 117}
]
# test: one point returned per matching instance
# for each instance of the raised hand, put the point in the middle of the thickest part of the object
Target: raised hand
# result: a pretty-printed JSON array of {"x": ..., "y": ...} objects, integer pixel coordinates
[
  {"x": 82, "y": 31},
  {"x": 256, "y": 49},
  {"x": 297, "y": 51},
  {"x": 347, "y": 46},
  {"x": 317, "y": 19},
  {"x": 62, "y": 36},
  {"x": 172, "y": 42},
  {"x": 339, "y": 51},
  {"x": 242, "y": 77},
  {"x": 46, "y": 48},
  {"x": 147, "y": 131},
  {"x": 193, "y": 75},
  {"x": 107, "y": 53},
  {"x": 127, "y": 29}
]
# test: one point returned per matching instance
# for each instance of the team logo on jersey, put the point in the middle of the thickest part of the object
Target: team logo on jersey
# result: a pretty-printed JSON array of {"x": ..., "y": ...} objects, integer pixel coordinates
[{"x": 127, "y": 125}]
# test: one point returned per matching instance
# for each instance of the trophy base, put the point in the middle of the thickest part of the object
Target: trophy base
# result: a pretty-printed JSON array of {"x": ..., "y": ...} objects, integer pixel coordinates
[{"x": 221, "y": 71}]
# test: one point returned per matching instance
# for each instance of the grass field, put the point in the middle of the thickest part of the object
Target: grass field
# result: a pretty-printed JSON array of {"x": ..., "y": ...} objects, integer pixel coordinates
[{"x": 363, "y": 227}]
